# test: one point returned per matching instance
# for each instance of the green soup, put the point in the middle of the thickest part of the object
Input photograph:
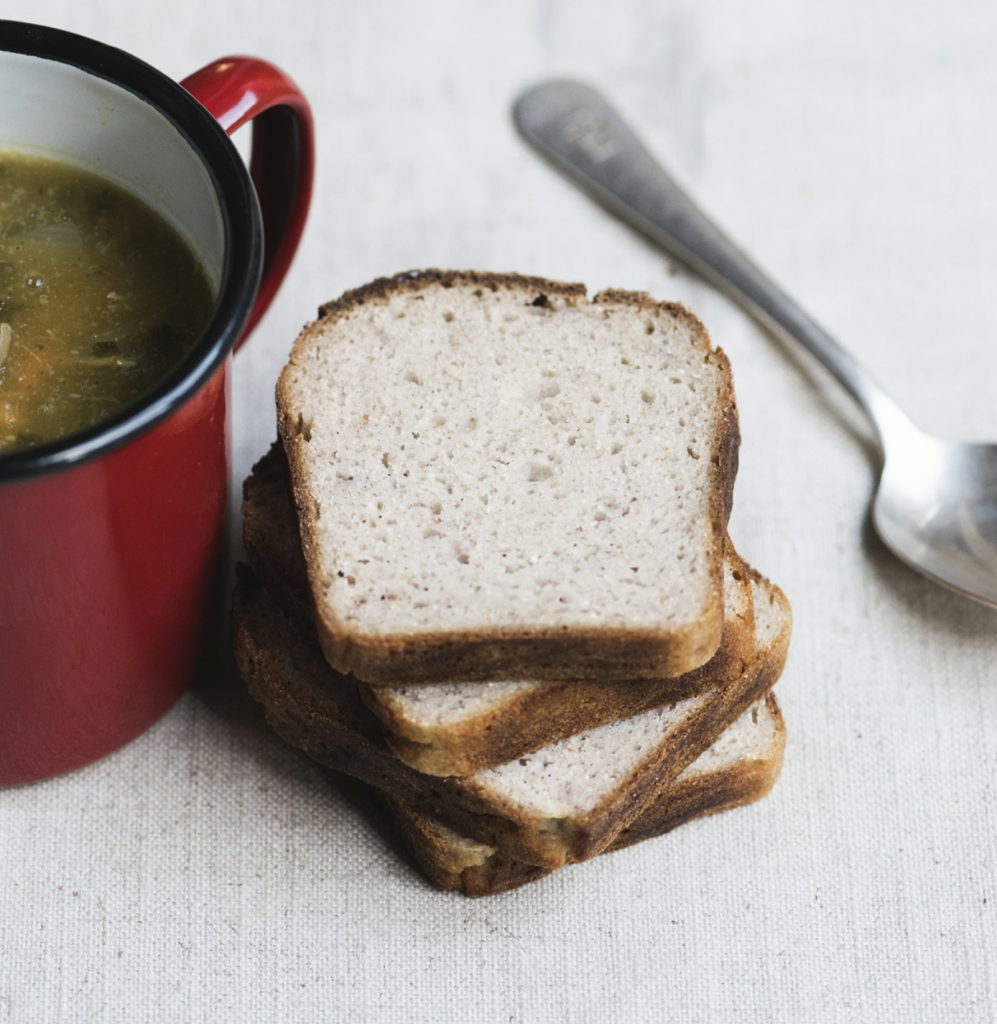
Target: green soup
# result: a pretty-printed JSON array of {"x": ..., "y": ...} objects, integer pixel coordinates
[{"x": 99, "y": 299}]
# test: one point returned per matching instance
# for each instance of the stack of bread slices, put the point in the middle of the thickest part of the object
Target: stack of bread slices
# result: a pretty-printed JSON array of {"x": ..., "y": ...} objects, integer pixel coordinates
[{"x": 489, "y": 572}]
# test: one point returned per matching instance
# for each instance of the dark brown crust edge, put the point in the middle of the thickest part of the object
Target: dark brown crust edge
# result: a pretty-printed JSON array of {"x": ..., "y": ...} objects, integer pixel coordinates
[
  {"x": 541, "y": 654},
  {"x": 587, "y": 836},
  {"x": 557, "y": 709},
  {"x": 687, "y": 800},
  {"x": 285, "y": 673},
  {"x": 532, "y": 720}
]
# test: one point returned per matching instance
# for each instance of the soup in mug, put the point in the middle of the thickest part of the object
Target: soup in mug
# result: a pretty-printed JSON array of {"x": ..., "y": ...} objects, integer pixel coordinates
[{"x": 99, "y": 299}]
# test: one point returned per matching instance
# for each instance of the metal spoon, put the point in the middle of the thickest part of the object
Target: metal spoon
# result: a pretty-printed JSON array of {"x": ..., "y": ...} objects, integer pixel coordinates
[{"x": 936, "y": 503}]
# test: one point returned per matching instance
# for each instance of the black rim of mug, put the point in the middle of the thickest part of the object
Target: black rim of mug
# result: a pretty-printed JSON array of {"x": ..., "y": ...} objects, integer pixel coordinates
[{"x": 243, "y": 236}]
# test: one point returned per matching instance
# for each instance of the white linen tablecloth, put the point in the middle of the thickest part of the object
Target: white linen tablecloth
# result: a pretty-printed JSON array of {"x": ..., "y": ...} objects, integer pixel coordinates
[{"x": 207, "y": 872}]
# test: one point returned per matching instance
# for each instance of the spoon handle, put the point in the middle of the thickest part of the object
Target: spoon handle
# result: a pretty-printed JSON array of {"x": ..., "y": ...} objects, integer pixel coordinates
[{"x": 574, "y": 127}]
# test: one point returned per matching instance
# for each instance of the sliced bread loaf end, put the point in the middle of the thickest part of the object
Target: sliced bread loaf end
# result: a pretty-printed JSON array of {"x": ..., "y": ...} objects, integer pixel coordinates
[{"x": 498, "y": 478}]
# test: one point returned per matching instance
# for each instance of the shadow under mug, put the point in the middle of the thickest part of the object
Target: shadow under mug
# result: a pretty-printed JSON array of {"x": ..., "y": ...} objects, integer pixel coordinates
[{"x": 110, "y": 539}]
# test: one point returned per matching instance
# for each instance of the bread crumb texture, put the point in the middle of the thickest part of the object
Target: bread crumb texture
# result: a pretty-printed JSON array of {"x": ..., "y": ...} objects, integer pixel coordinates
[
  {"x": 574, "y": 775},
  {"x": 450, "y": 704},
  {"x": 491, "y": 456}
]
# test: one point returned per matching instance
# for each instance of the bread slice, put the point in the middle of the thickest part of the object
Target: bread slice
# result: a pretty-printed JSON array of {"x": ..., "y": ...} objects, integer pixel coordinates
[
  {"x": 740, "y": 768},
  {"x": 460, "y": 728},
  {"x": 566, "y": 802},
  {"x": 497, "y": 478}
]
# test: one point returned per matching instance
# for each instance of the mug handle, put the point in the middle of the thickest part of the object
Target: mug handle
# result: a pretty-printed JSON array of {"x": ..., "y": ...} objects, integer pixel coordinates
[{"x": 282, "y": 159}]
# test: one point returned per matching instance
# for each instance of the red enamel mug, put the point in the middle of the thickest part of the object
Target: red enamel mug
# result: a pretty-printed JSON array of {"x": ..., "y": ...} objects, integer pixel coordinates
[{"x": 110, "y": 539}]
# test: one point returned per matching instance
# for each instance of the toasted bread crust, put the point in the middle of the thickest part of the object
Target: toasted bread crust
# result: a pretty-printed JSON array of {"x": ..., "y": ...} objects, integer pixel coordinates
[{"x": 541, "y": 652}]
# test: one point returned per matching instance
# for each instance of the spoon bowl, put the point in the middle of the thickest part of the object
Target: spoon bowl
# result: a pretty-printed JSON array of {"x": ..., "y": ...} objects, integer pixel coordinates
[
  {"x": 936, "y": 502},
  {"x": 936, "y": 509}
]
